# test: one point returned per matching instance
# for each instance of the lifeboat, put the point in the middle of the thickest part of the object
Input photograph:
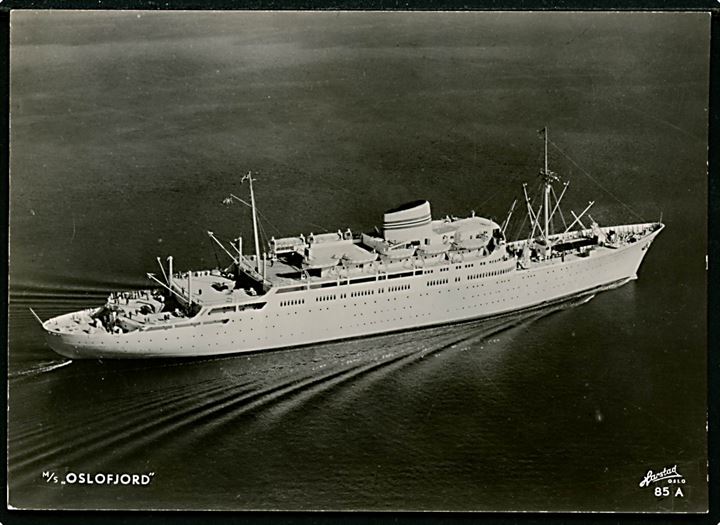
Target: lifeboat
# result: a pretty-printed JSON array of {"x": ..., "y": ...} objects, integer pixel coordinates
[
  {"x": 319, "y": 263},
  {"x": 471, "y": 244},
  {"x": 365, "y": 258},
  {"x": 399, "y": 253},
  {"x": 429, "y": 250}
]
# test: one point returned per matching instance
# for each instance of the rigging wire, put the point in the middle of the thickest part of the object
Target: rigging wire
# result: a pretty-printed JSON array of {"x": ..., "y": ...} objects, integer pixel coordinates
[
  {"x": 263, "y": 236},
  {"x": 479, "y": 206},
  {"x": 525, "y": 215},
  {"x": 520, "y": 228},
  {"x": 277, "y": 230},
  {"x": 552, "y": 189},
  {"x": 595, "y": 180},
  {"x": 534, "y": 195},
  {"x": 261, "y": 214},
  {"x": 512, "y": 179},
  {"x": 319, "y": 226}
]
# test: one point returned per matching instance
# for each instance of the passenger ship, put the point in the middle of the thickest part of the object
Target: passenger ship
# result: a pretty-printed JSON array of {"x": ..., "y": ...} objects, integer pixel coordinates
[{"x": 418, "y": 272}]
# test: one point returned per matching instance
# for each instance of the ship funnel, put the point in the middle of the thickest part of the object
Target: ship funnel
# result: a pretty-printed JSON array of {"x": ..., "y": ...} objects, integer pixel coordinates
[{"x": 409, "y": 222}]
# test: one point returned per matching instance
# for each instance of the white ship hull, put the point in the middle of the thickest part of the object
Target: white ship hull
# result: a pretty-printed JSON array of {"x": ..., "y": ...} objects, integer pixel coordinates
[{"x": 462, "y": 291}]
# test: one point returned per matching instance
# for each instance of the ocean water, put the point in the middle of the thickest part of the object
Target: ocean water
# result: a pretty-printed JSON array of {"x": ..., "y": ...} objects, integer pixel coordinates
[{"x": 128, "y": 130}]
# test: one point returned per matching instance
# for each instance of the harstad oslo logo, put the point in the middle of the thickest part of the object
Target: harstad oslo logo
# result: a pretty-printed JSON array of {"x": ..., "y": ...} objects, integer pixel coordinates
[{"x": 669, "y": 475}]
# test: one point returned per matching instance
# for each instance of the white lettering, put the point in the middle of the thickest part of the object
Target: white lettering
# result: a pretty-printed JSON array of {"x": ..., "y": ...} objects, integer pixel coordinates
[
  {"x": 107, "y": 478},
  {"x": 666, "y": 473}
]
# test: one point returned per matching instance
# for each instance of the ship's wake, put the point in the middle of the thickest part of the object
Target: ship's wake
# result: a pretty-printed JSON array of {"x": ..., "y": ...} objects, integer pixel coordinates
[
  {"x": 134, "y": 409},
  {"x": 39, "y": 369}
]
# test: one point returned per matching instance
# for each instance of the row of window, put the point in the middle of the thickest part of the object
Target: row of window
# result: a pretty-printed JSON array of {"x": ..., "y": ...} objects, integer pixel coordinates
[
  {"x": 359, "y": 293},
  {"x": 488, "y": 274},
  {"x": 461, "y": 266},
  {"x": 292, "y": 302},
  {"x": 224, "y": 310},
  {"x": 381, "y": 277},
  {"x": 356, "y": 280},
  {"x": 362, "y": 292}
]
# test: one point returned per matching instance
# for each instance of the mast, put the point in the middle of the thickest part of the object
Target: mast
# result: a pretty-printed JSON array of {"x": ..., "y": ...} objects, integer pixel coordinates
[
  {"x": 546, "y": 196},
  {"x": 162, "y": 269},
  {"x": 170, "y": 271},
  {"x": 548, "y": 177},
  {"x": 534, "y": 217},
  {"x": 189, "y": 290},
  {"x": 152, "y": 277},
  {"x": 254, "y": 216},
  {"x": 507, "y": 220},
  {"x": 212, "y": 236}
]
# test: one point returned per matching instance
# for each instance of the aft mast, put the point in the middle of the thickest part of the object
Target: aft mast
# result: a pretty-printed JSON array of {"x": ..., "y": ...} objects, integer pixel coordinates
[
  {"x": 256, "y": 270},
  {"x": 249, "y": 178}
]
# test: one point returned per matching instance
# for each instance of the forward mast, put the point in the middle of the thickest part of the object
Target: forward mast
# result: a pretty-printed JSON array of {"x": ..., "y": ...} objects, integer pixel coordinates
[{"x": 545, "y": 227}]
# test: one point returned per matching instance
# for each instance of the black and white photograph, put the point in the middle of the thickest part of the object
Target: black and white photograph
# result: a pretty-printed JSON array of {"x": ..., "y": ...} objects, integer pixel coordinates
[{"x": 358, "y": 261}]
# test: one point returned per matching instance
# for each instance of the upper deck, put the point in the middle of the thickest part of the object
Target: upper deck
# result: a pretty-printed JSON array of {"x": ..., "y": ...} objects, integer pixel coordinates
[{"x": 287, "y": 271}]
